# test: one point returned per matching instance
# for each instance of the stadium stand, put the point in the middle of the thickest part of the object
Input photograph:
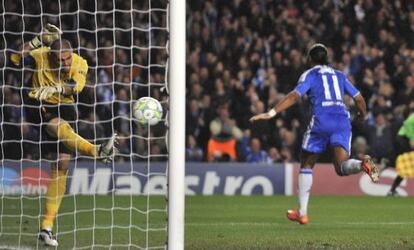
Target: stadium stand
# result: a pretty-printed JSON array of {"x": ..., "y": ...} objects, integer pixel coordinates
[
  {"x": 248, "y": 54},
  {"x": 244, "y": 54}
]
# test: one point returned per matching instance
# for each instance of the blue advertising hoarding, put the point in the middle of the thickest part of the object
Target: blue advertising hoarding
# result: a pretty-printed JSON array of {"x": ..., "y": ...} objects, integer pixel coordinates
[{"x": 139, "y": 178}]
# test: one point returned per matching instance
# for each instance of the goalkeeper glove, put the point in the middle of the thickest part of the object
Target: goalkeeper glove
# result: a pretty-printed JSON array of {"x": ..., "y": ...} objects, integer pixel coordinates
[
  {"x": 49, "y": 34},
  {"x": 44, "y": 93}
]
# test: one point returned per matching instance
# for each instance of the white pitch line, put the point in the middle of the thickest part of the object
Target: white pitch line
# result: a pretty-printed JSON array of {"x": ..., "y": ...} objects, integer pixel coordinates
[
  {"x": 378, "y": 223},
  {"x": 10, "y": 247},
  {"x": 312, "y": 223}
]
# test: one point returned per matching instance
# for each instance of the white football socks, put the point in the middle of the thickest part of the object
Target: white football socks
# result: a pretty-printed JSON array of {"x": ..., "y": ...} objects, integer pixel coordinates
[
  {"x": 305, "y": 180},
  {"x": 351, "y": 166}
]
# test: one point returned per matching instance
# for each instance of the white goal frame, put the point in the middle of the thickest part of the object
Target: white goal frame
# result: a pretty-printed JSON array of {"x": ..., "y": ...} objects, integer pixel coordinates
[{"x": 176, "y": 134}]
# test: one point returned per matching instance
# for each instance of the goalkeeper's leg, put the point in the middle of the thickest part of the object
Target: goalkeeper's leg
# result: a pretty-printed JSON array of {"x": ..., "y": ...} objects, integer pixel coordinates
[
  {"x": 64, "y": 132},
  {"x": 55, "y": 192}
]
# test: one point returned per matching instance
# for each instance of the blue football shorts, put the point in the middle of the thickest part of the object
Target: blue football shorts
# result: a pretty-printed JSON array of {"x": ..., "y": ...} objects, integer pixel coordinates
[{"x": 328, "y": 131}]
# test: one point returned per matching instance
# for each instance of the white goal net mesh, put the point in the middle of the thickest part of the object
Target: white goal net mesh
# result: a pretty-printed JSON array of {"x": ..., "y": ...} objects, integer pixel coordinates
[{"x": 120, "y": 205}]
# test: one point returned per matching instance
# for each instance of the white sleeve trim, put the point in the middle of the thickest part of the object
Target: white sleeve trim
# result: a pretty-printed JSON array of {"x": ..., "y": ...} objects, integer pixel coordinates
[
  {"x": 298, "y": 92},
  {"x": 358, "y": 93}
]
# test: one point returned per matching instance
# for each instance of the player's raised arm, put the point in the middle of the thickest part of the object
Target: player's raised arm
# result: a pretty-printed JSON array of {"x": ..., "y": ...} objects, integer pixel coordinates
[
  {"x": 284, "y": 104},
  {"x": 303, "y": 86},
  {"x": 48, "y": 34}
]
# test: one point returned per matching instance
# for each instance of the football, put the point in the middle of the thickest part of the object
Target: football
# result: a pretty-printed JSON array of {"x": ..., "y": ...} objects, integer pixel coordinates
[{"x": 148, "y": 111}]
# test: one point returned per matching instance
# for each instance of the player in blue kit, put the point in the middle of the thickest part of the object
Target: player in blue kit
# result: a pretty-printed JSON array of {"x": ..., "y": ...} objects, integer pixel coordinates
[{"x": 330, "y": 125}]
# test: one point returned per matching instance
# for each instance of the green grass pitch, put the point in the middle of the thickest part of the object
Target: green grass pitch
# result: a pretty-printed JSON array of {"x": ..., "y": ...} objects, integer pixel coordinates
[{"x": 217, "y": 222}]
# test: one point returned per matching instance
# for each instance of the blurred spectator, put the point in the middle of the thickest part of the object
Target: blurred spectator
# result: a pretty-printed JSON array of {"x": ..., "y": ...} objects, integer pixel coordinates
[
  {"x": 360, "y": 147},
  {"x": 124, "y": 148},
  {"x": 274, "y": 155},
  {"x": 121, "y": 112},
  {"x": 286, "y": 155},
  {"x": 11, "y": 129},
  {"x": 256, "y": 154},
  {"x": 225, "y": 133},
  {"x": 260, "y": 129},
  {"x": 193, "y": 152},
  {"x": 380, "y": 137},
  {"x": 30, "y": 140},
  {"x": 195, "y": 120}
]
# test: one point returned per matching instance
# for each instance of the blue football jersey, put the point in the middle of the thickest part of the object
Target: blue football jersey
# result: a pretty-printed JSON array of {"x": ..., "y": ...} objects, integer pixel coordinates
[{"x": 326, "y": 87}]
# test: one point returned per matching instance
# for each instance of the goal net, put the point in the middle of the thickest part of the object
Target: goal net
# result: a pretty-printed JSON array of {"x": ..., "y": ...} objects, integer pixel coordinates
[{"x": 117, "y": 205}]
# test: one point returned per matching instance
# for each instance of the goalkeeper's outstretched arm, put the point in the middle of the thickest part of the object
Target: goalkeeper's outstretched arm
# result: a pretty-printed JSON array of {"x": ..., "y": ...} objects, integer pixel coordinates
[{"x": 48, "y": 34}]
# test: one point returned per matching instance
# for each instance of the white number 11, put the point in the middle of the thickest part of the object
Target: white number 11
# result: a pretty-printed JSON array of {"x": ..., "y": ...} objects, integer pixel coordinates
[{"x": 335, "y": 85}]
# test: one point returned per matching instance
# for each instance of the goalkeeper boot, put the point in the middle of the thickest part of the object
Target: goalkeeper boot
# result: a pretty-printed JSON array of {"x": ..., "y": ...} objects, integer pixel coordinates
[
  {"x": 108, "y": 149},
  {"x": 294, "y": 215},
  {"x": 46, "y": 236},
  {"x": 369, "y": 167}
]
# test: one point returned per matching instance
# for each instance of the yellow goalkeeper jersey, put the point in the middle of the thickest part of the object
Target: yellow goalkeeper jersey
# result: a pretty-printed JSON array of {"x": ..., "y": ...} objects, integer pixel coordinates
[{"x": 45, "y": 76}]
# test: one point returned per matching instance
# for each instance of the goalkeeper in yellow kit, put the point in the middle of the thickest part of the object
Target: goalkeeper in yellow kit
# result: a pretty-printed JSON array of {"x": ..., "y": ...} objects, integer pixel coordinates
[{"x": 58, "y": 75}]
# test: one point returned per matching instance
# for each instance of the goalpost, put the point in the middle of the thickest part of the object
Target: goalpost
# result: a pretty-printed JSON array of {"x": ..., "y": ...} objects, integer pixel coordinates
[
  {"x": 133, "y": 49},
  {"x": 176, "y": 172}
]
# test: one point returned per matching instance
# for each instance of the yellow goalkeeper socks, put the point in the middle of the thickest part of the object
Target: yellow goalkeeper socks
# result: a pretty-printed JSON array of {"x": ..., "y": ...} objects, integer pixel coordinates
[
  {"x": 55, "y": 191},
  {"x": 75, "y": 142}
]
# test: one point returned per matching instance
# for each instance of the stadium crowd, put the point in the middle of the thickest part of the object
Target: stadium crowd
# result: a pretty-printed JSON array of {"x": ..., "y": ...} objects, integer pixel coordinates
[{"x": 243, "y": 56}]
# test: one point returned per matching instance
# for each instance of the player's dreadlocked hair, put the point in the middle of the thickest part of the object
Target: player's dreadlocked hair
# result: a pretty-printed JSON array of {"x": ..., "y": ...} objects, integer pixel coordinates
[{"x": 318, "y": 54}]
